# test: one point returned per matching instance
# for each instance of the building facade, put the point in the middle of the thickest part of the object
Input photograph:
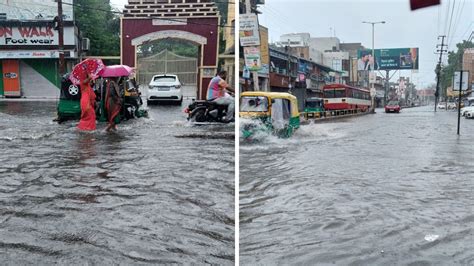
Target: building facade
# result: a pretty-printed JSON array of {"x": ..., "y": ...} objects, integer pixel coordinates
[
  {"x": 29, "y": 51},
  {"x": 468, "y": 65}
]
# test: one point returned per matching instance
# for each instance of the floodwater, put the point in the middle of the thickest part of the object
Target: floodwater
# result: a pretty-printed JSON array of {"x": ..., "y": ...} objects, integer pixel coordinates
[
  {"x": 157, "y": 191},
  {"x": 382, "y": 189}
]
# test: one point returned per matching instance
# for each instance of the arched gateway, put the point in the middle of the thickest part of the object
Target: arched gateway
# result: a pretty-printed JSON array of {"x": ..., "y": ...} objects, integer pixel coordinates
[{"x": 195, "y": 21}]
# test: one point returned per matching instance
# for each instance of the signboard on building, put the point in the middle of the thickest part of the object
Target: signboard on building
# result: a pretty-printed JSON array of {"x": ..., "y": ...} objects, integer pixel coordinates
[
  {"x": 457, "y": 80},
  {"x": 388, "y": 59},
  {"x": 264, "y": 52},
  {"x": 248, "y": 30},
  {"x": 25, "y": 10},
  {"x": 252, "y": 58},
  {"x": 34, "y": 36},
  {"x": 28, "y": 54}
]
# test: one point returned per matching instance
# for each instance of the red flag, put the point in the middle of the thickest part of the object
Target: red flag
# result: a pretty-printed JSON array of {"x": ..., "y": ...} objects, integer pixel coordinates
[{"x": 416, "y": 4}]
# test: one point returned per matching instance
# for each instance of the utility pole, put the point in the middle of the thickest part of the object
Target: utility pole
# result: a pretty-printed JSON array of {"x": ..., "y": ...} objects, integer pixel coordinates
[
  {"x": 438, "y": 67},
  {"x": 372, "y": 90},
  {"x": 61, "y": 38},
  {"x": 387, "y": 86},
  {"x": 459, "y": 98}
]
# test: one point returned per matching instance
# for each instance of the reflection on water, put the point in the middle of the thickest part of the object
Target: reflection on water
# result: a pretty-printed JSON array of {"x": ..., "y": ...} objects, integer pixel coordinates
[
  {"x": 364, "y": 191},
  {"x": 139, "y": 195}
]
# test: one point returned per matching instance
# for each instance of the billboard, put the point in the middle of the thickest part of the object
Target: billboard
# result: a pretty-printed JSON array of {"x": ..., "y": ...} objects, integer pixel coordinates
[
  {"x": 20, "y": 36},
  {"x": 248, "y": 30},
  {"x": 264, "y": 52},
  {"x": 252, "y": 58},
  {"x": 388, "y": 59},
  {"x": 25, "y": 10}
]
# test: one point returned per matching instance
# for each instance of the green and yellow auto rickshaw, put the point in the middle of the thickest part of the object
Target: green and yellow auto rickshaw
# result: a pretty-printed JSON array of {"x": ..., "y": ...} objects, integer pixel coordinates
[
  {"x": 128, "y": 90},
  {"x": 269, "y": 112},
  {"x": 314, "y": 107}
]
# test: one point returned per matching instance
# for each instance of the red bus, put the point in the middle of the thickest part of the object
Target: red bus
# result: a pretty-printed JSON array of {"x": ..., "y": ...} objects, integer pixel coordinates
[{"x": 343, "y": 97}]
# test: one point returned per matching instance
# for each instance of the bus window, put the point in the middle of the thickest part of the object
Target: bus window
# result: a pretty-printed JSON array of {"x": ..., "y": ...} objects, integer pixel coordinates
[
  {"x": 340, "y": 93},
  {"x": 329, "y": 93}
]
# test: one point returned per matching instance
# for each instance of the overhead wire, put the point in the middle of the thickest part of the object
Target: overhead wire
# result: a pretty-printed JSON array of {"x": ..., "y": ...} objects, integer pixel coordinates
[
  {"x": 456, "y": 22},
  {"x": 446, "y": 19},
  {"x": 451, "y": 20}
]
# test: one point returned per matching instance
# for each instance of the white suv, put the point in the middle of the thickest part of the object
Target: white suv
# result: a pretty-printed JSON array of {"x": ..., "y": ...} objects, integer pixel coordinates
[{"x": 165, "y": 88}]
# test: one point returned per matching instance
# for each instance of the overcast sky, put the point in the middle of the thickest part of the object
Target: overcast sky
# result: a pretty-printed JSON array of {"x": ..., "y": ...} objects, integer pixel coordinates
[{"x": 403, "y": 28}]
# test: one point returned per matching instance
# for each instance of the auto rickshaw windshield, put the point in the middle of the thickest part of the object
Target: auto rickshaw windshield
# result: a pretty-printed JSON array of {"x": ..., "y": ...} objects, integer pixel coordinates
[{"x": 253, "y": 104}]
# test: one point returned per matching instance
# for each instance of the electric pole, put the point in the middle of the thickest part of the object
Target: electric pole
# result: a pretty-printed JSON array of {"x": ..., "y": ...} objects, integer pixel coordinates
[
  {"x": 438, "y": 68},
  {"x": 61, "y": 38}
]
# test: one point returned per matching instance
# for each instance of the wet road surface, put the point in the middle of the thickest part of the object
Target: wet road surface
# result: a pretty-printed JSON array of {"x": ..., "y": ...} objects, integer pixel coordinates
[
  {"x": 142, "y": 195},
  {"x": 383, "y": 189}
]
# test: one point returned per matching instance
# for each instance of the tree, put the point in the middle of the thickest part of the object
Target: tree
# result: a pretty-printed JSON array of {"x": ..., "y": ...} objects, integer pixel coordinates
[
  {"x": 96, "y": 21},
  {"x": 454, "y": 64}
]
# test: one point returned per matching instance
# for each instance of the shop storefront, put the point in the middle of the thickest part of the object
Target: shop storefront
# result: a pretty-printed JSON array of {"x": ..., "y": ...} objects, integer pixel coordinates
[{"x": 29, "y": 54}]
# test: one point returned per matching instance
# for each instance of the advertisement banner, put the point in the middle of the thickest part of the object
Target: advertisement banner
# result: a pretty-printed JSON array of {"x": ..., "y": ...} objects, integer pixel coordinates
[
  {"x": 248, "y": 30},
  {"x": 25, "y": 10},
  {"x": 388, "y": 59},
  {"x": 34, "y": 36},
  {"x": 252, "y": 58},
  {"x": 264, "y": 52}
]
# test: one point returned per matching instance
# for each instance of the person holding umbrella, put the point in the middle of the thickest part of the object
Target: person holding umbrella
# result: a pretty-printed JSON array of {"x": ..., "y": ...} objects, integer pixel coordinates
[
  {"x": 113, "y": 103},
  {"x": 88, "y": 119},
  {"x": 82, "y": 74}
]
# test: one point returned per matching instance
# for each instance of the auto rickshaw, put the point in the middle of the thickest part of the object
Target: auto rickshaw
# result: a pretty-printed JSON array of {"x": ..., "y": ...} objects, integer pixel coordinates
[
  {"x": 314, "y": 107},
  {"x": 69, "y": 101},
  {"x": 270, "y": 112}
]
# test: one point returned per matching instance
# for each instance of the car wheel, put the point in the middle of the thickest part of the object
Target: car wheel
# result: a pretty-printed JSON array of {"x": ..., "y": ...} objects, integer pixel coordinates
[{"x": 180, "y": 101}]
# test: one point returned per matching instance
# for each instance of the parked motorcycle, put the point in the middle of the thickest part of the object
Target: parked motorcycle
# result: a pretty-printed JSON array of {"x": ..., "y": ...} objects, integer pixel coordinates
[{"x": 206, "y": 111}]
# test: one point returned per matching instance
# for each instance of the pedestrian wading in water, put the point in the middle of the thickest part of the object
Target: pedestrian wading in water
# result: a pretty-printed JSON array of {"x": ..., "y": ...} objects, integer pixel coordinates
[{"x": 88, "y": 120}]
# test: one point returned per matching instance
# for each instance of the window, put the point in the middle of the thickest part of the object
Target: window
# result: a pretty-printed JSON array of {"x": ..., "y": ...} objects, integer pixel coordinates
[
  {"x": 164, "y": 79},
  {"x": 339, "y": 93},
  {"x": 329, "y": 93},
  {"x": 254, "y": 104}
]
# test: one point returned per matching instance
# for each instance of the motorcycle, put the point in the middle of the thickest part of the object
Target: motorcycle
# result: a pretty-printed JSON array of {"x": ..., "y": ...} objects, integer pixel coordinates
[{"x": 206, "y": 111}]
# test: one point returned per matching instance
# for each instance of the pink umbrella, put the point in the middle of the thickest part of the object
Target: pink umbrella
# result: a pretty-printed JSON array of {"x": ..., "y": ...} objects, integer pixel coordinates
[{"x": 116, "y": 71}]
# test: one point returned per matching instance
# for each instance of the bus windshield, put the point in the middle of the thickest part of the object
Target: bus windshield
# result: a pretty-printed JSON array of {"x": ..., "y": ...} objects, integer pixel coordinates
[{"x": 335, "y": 93}]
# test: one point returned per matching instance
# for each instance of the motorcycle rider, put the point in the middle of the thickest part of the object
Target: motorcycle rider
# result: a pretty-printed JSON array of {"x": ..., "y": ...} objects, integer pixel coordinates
[{"x": 216, "y": 92}]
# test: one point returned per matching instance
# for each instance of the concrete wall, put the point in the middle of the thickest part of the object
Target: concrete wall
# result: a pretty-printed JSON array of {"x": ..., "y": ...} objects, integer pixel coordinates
[{"x": 324, "y": 43}]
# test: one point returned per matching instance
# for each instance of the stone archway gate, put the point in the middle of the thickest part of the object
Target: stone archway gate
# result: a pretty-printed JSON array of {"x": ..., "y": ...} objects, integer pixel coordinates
[{"x": 197, "y": 22}]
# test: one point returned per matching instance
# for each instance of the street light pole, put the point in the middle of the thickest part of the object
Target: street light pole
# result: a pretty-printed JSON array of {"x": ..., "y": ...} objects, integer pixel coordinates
[{"x": 373, "y": 57}]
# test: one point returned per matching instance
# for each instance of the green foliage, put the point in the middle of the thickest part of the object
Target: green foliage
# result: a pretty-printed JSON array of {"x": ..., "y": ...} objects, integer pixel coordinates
[
  {"x": 179, "y": 47},
  {"x": 454, "y": 64},
  {"x": 96, "y": 22}
]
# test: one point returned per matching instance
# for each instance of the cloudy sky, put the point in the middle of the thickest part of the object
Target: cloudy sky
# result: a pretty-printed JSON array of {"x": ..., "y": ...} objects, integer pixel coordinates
[
  {"x": 343, "y": 18},
  {"x": 403, "y": 28}
]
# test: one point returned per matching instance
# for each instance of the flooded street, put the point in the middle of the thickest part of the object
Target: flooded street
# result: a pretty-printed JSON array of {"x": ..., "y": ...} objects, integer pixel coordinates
[
  {"x": 383, "y": 189},
  {"x": 147, "y": 193}
]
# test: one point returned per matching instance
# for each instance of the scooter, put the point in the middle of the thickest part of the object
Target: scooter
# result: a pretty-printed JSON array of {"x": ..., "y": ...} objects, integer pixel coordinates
[{"x": 206, "y": 111}]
